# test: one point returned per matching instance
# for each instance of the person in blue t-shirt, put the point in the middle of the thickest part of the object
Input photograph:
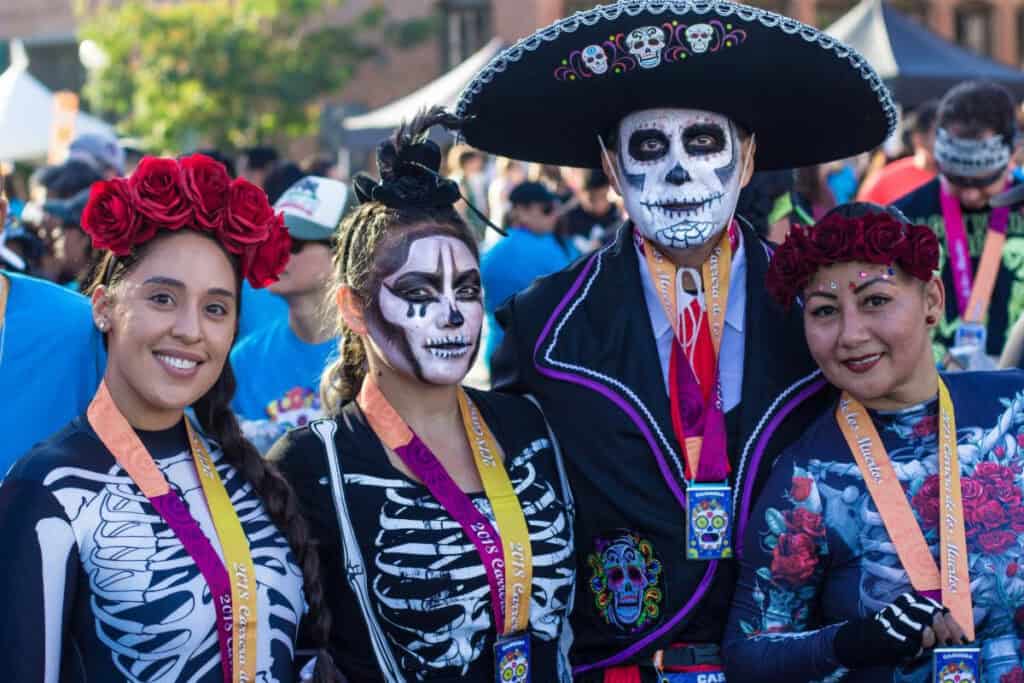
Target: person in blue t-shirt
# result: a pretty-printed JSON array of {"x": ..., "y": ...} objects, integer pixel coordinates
[
  {"x": 51, "y": 361},
  {"x": 260, "y": 309},
  {"x": 278, "y": 366},
  {"x": 51, "y": 358},
  {"x": 531, "y": 250}
]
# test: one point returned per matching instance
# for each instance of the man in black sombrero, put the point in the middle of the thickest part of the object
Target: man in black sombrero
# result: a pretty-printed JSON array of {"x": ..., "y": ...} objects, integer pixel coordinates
[{"x": 664, "y": 368}]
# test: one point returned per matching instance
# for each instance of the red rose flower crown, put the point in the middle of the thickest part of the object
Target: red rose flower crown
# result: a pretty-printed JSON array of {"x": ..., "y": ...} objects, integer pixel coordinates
[
  {"x": 192, "y": 192},
  {"x": 874, "y": 238}
]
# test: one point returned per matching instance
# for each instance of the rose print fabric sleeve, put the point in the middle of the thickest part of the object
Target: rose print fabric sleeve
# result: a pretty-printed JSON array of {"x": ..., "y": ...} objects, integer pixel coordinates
[
  {"x": 38, "y": 576},
  {"x": 774, "y": 631}
]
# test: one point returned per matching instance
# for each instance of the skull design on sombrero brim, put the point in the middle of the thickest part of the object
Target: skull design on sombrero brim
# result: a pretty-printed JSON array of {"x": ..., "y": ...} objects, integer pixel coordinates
[{"x": 808, "y": 97}]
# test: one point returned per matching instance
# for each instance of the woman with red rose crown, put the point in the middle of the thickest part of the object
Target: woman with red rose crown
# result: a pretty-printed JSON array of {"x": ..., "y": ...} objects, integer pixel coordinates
[
  {"x": 886, "y": 545},
  {"x": 147, "y": 540}
]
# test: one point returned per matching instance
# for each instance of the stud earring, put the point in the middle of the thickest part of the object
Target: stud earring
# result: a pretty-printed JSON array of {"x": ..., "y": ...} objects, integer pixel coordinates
[
  {"x": 930, "y": 320},
  {"x": 102, "y": 324}
]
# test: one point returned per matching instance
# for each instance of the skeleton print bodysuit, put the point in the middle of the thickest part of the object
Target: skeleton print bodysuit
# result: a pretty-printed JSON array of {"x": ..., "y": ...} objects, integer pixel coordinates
[
  {"x": 426, "y": 582},
  {"x": 816, "y": 552},
  {"x": 95, "y": 585}
]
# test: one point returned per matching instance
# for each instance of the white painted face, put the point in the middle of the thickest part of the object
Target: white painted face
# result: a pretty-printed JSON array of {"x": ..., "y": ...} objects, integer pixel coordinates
[
  {"x": 432, "y": 311},
  {"x": 681, "y": 174}
]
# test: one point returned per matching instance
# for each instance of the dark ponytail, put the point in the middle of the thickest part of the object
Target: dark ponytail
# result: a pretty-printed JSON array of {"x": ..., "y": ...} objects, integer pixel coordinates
[{"x": 219, "y": 423}]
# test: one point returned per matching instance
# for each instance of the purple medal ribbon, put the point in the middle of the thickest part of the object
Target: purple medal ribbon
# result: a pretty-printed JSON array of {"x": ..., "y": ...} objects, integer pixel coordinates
[{"x": 422, "y": 462}]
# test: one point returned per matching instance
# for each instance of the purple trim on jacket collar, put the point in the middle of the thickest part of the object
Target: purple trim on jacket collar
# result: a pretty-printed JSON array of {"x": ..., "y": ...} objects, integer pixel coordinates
[
  {"x": 631, "y": 412},
  {"x": 759, "y": 449}
]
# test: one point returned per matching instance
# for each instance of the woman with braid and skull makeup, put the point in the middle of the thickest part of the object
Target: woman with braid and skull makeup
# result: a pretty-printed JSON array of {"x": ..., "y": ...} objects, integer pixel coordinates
[
  {"x": 148, "y": 540},
  {"x": 886, "y": 544},
  {"x": 669, "y": 375},
  {"x": 441, "y": 510}
]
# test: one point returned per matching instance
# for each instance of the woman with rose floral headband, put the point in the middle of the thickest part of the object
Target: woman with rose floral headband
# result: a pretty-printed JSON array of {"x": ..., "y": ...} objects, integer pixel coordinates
[
  {"x": 147, "y": 540},
  {"x": 887, "y": 542},
  {"x": 441, "y": 511}
]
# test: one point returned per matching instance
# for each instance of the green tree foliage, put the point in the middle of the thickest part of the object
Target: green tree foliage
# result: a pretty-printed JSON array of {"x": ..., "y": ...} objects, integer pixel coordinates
[{"x": 223, "y": 72}]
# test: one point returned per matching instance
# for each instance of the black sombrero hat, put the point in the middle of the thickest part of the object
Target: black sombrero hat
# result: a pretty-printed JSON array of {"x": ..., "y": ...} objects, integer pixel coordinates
[{"x": 808, "y": 97}]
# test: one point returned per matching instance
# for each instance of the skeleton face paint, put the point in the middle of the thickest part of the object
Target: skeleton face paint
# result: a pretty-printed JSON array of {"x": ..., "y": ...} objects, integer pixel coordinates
[
  {"x": 431, "y": 310},
  {"x": 681, "y": 173}
]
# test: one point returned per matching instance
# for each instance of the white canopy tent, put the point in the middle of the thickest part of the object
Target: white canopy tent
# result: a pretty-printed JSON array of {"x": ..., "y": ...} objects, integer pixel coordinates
[
  {"x": 366, "y": 130},
  {"x": 26, "y": 115}
]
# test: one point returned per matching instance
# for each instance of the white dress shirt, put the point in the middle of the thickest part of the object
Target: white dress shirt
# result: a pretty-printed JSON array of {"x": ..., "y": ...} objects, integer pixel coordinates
[{"x": 730, "y": 360}]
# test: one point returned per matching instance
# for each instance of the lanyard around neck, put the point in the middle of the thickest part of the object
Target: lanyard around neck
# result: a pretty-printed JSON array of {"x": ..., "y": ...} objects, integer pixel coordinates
[
  {"x": 233, "y": 582},
  {"x": 508, "y": 566},
  {"x": 891, "y": 500},
  {"x": 706, "y": 457},
  {"x": 973, "y": 294}
]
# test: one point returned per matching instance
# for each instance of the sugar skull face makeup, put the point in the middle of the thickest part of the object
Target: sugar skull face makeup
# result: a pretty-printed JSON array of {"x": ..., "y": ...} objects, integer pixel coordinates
[
  {"x": 681, "y": 174},
  {"x": 430, "y": 312}
]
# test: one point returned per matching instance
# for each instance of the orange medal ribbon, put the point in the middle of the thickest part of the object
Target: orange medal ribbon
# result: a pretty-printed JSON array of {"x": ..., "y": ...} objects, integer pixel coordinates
[{"x": 886, "y": 491}]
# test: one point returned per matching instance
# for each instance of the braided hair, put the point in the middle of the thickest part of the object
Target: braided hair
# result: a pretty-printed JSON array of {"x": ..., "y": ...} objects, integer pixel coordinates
[
  {"x": 411, "y": 200},
  {"x": 217, "y": 420}
]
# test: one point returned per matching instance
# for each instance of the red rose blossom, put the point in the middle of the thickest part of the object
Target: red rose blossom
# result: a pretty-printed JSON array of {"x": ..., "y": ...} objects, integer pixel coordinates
[
  {"x": 992, "y": 472},
  {"x": 1007, "y": 493},
  {"x": 263, "y": 263},
  {"x": 926, "y": 425},
  {"x": 110, "y": 218},
  {"x": 1011, "y": 569},
  {"x": 922, "y": 254},
  {"x": 974, "y": 491},
  {"x": 794, "y": 558},
  {"x": 1014, "y": 675},
  {"x": 801, "y": 490},
  {"x": 832, "y": 240},
  {"x": 996, "y": 542},
  {"x": 804, "y": 521},
  {"x": 790, "y": 269},
  {"x": 206, "y": 183},
  {"x": 160, "y": 195},
  {"x": 885, "y": 242},
  {"x": 249, "y": 216},
  {"x": 927, "y": 508},
  {"x": 991, "y": 515}
]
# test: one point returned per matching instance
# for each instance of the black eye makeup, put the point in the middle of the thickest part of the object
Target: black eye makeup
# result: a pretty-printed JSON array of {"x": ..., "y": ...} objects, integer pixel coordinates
[
  {"x": 648, "y": 144},
  {"x": 704, "y": 138}
]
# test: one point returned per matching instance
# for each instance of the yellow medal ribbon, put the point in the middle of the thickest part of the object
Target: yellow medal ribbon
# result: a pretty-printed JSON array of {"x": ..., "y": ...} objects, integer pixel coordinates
[
  {"x": 515, "y": 537},
  {"x": 952, "y": 576},
  {"x": 237, "y": 558},
  {"x": 715, "y": 272}
]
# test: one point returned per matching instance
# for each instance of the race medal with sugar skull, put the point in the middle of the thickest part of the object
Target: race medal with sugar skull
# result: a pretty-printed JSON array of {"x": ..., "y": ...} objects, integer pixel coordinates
[
  {"x": 512, "y": 659},
  {"x": 708, "y": 521},
  {"x": 957, "y": 665}
]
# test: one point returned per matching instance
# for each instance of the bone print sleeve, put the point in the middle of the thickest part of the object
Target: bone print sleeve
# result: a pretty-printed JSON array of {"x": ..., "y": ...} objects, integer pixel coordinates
[
  {"x": 774, "y": 632},
  {"x": 38, "y": 576}
]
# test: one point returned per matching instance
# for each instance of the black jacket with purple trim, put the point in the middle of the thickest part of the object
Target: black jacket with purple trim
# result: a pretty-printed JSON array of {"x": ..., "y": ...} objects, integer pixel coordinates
[{"x": 581, "y": 341}]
